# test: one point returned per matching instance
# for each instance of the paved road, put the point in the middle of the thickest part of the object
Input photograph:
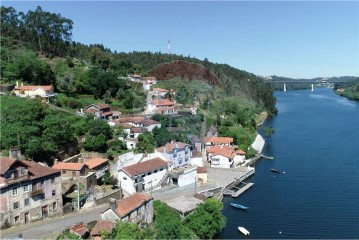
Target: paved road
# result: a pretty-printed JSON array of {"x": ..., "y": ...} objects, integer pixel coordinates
[{"x": 52, "y": 227}]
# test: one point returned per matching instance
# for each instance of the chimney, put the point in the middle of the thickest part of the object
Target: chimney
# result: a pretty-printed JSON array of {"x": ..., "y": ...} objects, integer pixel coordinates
[
  {"x": 177, "y": 145},
  {"x": 81, "y": 111},
  {"x": 80, "y": 160},
  {"x": 56, "y": 161},
  {"x": 22, "y": 84},
  {"x": 15, "y": 152},
  {"x": 113, "y": 203},
  {"x": 17, "y": 83}
]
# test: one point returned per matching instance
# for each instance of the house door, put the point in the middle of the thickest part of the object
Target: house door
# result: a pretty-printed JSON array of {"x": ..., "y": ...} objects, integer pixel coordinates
[
  {"x": 26, "y": 215},
  {"x": 44, "y": 211}
]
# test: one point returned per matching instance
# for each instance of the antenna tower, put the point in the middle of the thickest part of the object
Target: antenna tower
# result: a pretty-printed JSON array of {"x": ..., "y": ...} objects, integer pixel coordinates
[{"x": 169, "y": 47}]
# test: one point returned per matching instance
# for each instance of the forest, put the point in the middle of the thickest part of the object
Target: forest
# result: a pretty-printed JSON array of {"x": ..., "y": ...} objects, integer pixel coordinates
[{"x": 350, "y": 89}]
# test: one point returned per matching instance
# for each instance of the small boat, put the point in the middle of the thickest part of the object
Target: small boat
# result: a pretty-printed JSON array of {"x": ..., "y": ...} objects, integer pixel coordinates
[
  {"x": 275, "y": 170},
  {"x": 239, "y": 206},
  {"x": 244, "y": 231}
]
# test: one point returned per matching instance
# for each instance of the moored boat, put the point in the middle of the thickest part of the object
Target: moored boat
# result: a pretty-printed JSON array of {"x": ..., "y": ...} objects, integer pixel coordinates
[
  {"x": 275, "y": 170},
  {"x": 244, "y": 231},
  {"x": 239, "y": 206}
]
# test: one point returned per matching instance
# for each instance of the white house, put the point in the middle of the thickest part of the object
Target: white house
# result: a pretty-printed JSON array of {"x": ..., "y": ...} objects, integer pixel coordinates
[
  {"x": 100, "y": 110},
  {"x": 160, "y": 92},
  {"x": 130, "y": 142},
  {"x": 184, "y": 175},
  {"x": 136, "y": 209},
  {"x": 196, "y": 158},
  {"x": 148, "y": 82},
  {"x": 177, "y": 153},
  {"x": 136, "y": 131},
  {"x": 143, "y": 176},
  {"x": 150, "y": 124},
  {"x": 220, "y": 156},
  {"x": 45, "y": 92}
]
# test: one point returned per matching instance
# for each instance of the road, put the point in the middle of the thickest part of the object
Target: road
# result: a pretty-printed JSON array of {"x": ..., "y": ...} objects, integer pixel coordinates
[{"x": 50, "y": 228}]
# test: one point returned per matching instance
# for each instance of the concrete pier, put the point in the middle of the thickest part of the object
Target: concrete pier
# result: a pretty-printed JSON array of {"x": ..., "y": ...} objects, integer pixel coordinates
[{"x": 242, "y": 190}]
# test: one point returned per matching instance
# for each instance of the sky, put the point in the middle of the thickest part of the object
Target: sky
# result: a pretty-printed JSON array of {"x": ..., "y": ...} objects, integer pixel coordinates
[{"x": 297, "y": 39}]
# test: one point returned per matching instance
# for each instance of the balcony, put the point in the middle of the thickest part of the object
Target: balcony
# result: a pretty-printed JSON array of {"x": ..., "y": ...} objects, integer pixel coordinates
[
  {"x": 36, "y": 191},
  {"x": 101, "y": 172}
]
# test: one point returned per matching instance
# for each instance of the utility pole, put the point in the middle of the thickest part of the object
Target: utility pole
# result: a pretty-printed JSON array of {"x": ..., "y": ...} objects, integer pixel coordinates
[{"x": 78, "y": 195}]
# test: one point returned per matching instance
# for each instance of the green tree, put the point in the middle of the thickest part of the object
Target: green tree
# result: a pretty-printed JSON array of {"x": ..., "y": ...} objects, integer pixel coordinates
[
  {"x": 126, "y": 230},
  {"x": 269, "y": 131},
  {"x": 146, "y": 143},
  {"x": 206, "y": 220},
  {"x": 168, "y": 224}
]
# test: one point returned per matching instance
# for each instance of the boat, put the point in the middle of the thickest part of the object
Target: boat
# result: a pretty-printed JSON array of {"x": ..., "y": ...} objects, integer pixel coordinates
[
  {"x": 244, "y": 231},
  {"x": 275, "y": 170},
  {"x": 239, "y": 206}
]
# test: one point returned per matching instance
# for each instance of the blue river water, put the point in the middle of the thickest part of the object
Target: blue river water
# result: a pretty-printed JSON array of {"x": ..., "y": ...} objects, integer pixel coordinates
[{"x": 316, "y": 144}]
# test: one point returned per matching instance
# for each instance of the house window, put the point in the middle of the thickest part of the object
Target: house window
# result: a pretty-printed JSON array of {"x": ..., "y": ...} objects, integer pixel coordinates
[
  {"x": 17, "y": 219},
  {"x": 54, "y": 205},
  {"x": 155, "y": 171},
  {"x": 149, "y": 173},
  {"x": 16, "y": 205},
  {"x": 26, "y": 188},
  {"x": 124, "y": 178},
  {"x": 23, "y": 170},
  {"x": 53, "y": 192},
  {"x": 63, "y": 171},
  {"x": 15, "y": 192},
  {"x": 27, "y": 202}
]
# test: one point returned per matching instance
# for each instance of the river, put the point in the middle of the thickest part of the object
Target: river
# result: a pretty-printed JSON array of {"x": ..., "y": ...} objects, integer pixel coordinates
[{"x": 316, "y": 144}]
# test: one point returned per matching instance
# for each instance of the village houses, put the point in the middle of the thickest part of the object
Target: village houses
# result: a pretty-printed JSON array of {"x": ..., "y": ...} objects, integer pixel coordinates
[
  {"x": 100, "y": 110},
  {"x": 29, "y": 191}
]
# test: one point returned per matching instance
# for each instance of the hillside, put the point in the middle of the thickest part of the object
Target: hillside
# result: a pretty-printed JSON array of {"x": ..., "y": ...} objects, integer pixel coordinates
[{"x": 348, "y": 89}]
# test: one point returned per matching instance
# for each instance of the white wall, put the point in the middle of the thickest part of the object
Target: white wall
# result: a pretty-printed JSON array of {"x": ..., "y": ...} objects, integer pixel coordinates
[
  {"x": 198, "y": 161},
  {"x": 258, "y": 143},
  {"x": 238, "y": 159},
  {"x": 187, "y": 178},
  {"x": 151, "y": 127},
  {"x": 126, "y": 182},
  {"x": 223, "y": 161}
]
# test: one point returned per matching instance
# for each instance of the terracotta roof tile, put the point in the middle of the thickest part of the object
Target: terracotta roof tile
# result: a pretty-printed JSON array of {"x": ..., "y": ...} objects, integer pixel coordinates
[
  {"x": 79, "y": 229},
  {"x": 138, "y": 130},
  {"x": 127, "y": 205},
  {"x": 102, "y": 105},
  {"x": 68, "y": 166},
  {"x": 202, "y": 170},
  {"x": 195, "y": 153},
  {"x": 125, "y": 125},
  {"x": 32, "y": 88},
  {"x": 226, "y": 140},
  {"x": 144, "y": 167},
  {"x": 163, "y": 102},
  {"x": 149, "y": 122},
  {"x": 94, "y": 162},
  {"x": 224, "y": 152},
  {"x": 5, "y": 164},
  {"x": 160, "y": 90},
  {"x": 102, "y": 225}
]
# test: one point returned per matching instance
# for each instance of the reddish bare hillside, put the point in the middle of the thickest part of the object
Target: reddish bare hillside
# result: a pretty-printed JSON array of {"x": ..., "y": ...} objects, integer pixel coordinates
[{"x": 183, "y": 69}]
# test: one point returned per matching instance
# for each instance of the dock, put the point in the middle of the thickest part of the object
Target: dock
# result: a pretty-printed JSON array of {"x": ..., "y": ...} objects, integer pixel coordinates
[
  {"x": 267, "y": 157},
  {"x": 242, "y": 190}
]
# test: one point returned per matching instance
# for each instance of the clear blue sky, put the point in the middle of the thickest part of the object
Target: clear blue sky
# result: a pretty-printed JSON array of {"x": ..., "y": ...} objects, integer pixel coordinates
[{"x": 295, "y": 39}]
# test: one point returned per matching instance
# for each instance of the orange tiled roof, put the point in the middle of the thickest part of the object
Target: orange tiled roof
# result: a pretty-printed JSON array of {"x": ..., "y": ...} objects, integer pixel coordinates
[
  {"x": 31, "y": 88},
  {"x": 127, "y": 205},
  {"x": 160, "y": 90},
  {"x": 149, "y": 122},
  {"x": 202, "y": 170},
  {"x": 218, "y": 139},
  {"x": 79, "y": 229},
  {"x": 224, "y": 152},
  {"x": 102, "y": 225},
  {"x": 94, "y": 162},
  {"x": 163, "y": 102},
  {"x": 145, "y": 167},
  {"x": 138, "y": 130},
  {"x": 68, "y": 166}
]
